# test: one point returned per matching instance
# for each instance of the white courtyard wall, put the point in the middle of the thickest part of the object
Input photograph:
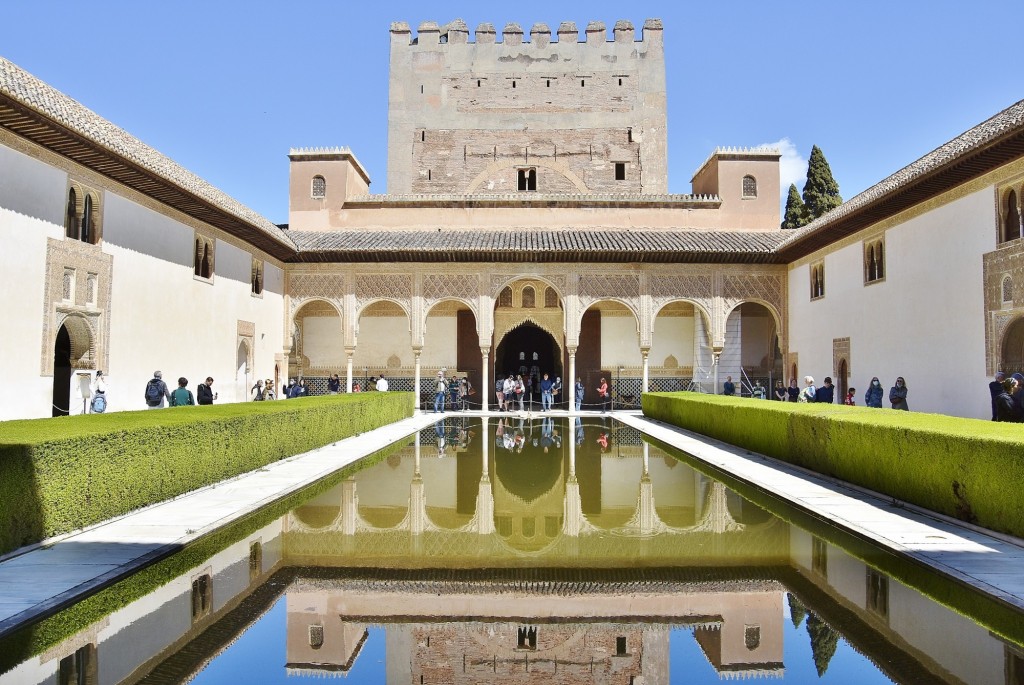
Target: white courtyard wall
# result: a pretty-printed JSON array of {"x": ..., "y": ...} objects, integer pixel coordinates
[
  {"x": 924, "y": 322},
  {"x": 165, "y": 318},
  {"x": 673, "y": 335},
  {"x": 380, "y": 337},
  {"x": 160, "y": 316},
  {"x": 323, "y": 343},
  {"x": 620, "y": 343}
]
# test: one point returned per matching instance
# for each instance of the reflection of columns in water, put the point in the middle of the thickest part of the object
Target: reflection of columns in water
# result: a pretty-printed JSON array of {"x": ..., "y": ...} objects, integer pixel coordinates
[
  {"x": 571, "y": 438},
  {"x": 349, "y": 507},
  {"x": 716, "y": 514},
  {"x": 416, "y": 451},
  {"x": 647, "y": 513},
  {"x": 573, "y": 507},
  {"x": 484, "y": 495}
]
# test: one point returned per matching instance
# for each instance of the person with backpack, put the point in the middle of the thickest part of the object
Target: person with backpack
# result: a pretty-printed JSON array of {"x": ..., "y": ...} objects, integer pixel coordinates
[
  {"x": 499, "y": 393},
  {"x": 257, "y": 391},
  {"x": 98, "y": 404},
  {"x": 156, "y": 391},
  {"x": 182, "y": 396}
]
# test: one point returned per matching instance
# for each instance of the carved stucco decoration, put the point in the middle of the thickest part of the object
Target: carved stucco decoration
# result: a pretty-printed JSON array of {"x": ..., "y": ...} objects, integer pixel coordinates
[
  {"x": 1006, "y": 261},
  {"x": 462, "y": 287},
  {"x": 623, "y": 288},
  {"x": 395, "y": 287},
  {"x": 77, "y": 296}
]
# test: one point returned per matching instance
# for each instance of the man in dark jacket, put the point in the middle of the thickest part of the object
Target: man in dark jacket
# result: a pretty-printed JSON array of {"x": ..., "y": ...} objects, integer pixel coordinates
[
  {"x": 205, "y": 393},
  {"x": 826, "y": 393}
]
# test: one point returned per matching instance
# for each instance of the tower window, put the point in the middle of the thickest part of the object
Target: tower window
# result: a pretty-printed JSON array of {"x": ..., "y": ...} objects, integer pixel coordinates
[
  {"x": 319, "y": 188},
  {"x": 620, "y": 82},
  {"x": 629, "y": 135},
  {"x": 527, "y": 638},
  {"x": 423, "y": 136},
  {"x": 620, "y": 645},
  {"x": 749, "y": 186},
  {"x": 582, "y": 83},
  {"x": 527, "y": 179},
  {"x": 549, "y": 83},
  {"x": 513, "y": 84},
  {"x": 620, "y": 171}
]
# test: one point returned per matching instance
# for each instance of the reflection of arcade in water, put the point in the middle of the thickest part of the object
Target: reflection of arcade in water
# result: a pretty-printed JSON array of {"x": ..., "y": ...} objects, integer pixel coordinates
[
  {"x": 581, "y": 627},
  {"x": 572, "y": 553},
  {"x": 486, "y": 493}
]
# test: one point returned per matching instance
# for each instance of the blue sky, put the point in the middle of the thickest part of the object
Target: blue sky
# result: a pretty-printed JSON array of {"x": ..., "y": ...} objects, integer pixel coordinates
[{"x": 226, "y": 88}]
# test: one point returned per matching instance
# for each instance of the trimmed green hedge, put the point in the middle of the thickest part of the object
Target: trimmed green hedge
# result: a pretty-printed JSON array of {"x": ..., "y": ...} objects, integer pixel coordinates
[
  {"x": 966, "y": 468},
  {"x": 58, "y": 475}
]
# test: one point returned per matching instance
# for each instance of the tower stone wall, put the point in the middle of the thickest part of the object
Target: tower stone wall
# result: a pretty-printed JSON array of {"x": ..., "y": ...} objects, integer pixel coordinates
[{"x": 479, "y": 117}]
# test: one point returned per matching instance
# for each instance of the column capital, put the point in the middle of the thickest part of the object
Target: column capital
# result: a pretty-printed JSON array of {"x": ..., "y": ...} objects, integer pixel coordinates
[{"x": 571, "y": 350}]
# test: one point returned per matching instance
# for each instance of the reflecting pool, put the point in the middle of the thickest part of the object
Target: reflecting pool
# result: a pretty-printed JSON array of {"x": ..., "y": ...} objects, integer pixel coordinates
[{"x": 518, "y": 550}]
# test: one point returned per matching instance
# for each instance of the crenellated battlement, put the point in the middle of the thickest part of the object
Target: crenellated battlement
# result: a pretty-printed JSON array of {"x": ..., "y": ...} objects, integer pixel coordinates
[{"x": 456, "y": 32}]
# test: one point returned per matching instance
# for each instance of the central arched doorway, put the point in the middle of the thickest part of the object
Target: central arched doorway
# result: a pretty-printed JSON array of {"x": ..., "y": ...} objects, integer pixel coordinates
[{"x": 530, "y": 350}]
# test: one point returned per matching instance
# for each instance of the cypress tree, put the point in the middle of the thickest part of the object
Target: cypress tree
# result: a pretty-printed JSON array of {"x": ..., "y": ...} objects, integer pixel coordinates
[
  {"x": 821, "y": 192},
  {"x": 824, "y": 641},
  {"x": 797, "y": 610},
  {"x": 796, "y": 211}
]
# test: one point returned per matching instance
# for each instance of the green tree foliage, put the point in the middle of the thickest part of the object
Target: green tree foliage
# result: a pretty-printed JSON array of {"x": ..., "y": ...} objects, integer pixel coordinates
[
  {"x": 796, "y": 211},
  {"x": 797, "y": 610},
  {"x": 824, "y": 641},
  {"x": 821, "y": 192}
]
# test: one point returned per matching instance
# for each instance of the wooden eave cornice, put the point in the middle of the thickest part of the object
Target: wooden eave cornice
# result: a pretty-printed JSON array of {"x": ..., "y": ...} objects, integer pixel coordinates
[{"x": 37, "y": 128}]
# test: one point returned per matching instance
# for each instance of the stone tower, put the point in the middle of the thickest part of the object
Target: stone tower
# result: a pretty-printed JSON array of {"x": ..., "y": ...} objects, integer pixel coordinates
[{"x": 551, "y": 116}]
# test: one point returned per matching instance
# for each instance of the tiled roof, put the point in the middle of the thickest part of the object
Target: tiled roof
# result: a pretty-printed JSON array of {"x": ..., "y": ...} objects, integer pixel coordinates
[
  {"x": 587, "y": 245},
  {"x": 152, "y": 169},
  {"x": 983, "y": 148}
]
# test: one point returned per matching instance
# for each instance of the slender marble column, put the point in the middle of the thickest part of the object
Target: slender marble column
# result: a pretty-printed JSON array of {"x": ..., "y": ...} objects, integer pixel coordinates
[
  {"x": 349, "y": 351},
  {"x": 416, "y": 352},
  {"x": 571, "y": 380}
]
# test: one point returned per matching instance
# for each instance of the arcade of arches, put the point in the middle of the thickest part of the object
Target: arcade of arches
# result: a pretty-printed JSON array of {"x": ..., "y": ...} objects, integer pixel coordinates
[{"x": 656, "y": 327}]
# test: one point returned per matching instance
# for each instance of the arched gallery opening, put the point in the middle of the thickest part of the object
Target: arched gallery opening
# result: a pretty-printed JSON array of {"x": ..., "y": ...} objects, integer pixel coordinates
[
  {"x": 751, "y": 351},
  {"x": 451, "y": 343},
  {"x": 72, "y": 349},
  {"x": 529, "y": 338},
  {"x": 317, "y": 343},
  {"x": 680, "y": 356}
]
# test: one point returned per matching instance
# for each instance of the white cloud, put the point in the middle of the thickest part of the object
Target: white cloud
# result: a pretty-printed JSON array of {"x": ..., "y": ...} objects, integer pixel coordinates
[{"x": 792, "y": 167}]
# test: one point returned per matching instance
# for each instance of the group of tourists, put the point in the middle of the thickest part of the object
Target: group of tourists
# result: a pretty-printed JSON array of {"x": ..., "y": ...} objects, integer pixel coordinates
[
  {"x": 1007, "y": 397},
  {"x": 455, "y": 390},
  {"x": 157, "y": 395},
  {"x": 826, "y": 393},
  {"x": 516, "y": 392}
]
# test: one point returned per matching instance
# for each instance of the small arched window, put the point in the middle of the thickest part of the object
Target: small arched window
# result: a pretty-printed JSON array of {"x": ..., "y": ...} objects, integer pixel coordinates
[
  {"x": 71, "y": 216},
  {"x": 1007, "y": 289},
  {"x": 505, "y": 298},
  {"x": 87, "y": 225},
  {"x": 874, "y": 261},
  {"x": 529, "y": 297},
  {"x": 749, "y": 186},
  {"x": 319, "y": 188},
  {"x": 257, "y": 277},
  {"x": 1011, "y": 219},
  {"x": 817, "y": 281},
  {"x": 550, "y": 298}
]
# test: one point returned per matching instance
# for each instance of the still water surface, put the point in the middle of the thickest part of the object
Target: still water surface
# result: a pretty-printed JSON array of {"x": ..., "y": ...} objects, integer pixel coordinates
[{"x": 551, "y": 550}]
